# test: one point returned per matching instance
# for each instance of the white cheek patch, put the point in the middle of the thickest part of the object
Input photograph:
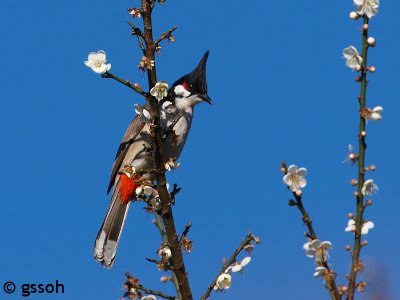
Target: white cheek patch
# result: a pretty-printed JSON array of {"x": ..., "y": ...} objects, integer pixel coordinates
[{"x": 181, "y": 91}]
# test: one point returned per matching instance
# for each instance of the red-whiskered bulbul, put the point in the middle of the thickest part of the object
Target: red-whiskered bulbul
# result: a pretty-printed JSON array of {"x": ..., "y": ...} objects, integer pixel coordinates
[{"x": 177, "y": 108}]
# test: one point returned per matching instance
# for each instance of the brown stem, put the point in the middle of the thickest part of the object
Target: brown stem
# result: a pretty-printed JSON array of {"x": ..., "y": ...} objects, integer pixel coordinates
[
  {"x": 331, "y": 280},
  {"x": 361, "y": 167},
  {"x": 165, "y": 35},
  {"x": 232, "y": 259},
  {"x": 125, "y": 82},
  {"x": 146, "y": 290},
  {"x": 177, "y": 264}
]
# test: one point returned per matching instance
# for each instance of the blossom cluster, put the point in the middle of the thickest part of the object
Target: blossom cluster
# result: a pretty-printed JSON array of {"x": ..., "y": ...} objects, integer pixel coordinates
[
  {"x": 224, "y": 281},
  {"x": 319, "y": 250}
]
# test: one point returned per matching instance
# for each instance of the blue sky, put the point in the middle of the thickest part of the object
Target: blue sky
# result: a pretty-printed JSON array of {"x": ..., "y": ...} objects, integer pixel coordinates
[{"x": 280, "y": 91}]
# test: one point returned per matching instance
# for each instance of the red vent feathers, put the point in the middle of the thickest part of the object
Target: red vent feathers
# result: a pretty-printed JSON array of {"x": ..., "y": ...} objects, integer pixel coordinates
[{"x": 127, "y": 187}]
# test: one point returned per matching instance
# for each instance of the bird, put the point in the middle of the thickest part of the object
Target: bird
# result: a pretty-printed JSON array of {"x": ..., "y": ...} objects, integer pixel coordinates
[{"x": 176, "y": 113}]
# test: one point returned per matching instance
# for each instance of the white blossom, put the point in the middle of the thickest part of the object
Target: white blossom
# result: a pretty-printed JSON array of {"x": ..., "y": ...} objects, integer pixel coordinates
[
  {"x": 148, "y": 297},
  {"x": 365, "y": 227},
  {"x": 97, "y": 62},
  {"x": 353, "y": 59},
  {"x": 171, "y": 164},
  {"x": 224, "y": 281},
  {"x": 237, "y": 267},
  {"x": 295, "y": 178},
  {"x": 165, "y": 252},
  {"x": 135, "y": 12},
  {"x": 375, "y": 113},
  {"x": 318, "y": 249},
  {"x": 369, "y": 187},
  {"x": 145, "y": 190},
  {"x": 367, "y": 7},
  {"x": 160, "y": 90},
  {"x": 320, "y": 271}
]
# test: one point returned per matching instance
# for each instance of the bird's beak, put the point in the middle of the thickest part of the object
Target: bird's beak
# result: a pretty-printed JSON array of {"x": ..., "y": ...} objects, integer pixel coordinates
[{"x": 206, "y": 98}]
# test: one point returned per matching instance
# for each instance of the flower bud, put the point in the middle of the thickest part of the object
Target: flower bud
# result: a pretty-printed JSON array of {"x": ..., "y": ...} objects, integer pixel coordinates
[
  {"x": 350, "y": 215},
  {"x": 357, "y": 68},
  {"x": 348, "y": 248},
  {"x": 368, "y": 202},
  {"x": 353, "y": 15},
  {"x": 165, "y": 278},
  {"x": 363, "y": 133},
  {"x": 372, "y": 69},
  {"x": 355, "y": 194},
  {"x": 372, "y": 167},
  {"x": 371, "y": 41},
  {"x": 299, "y": 193},
  {"x": 365, "y": 27},
  {"x": 137, "y": 85},
  {"x": 364, "y": 243},
  {"x": 353, "y": 182}
]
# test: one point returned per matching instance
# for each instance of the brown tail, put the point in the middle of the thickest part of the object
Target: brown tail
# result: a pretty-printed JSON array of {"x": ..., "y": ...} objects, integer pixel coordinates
[{"x": 106, "y": 244}]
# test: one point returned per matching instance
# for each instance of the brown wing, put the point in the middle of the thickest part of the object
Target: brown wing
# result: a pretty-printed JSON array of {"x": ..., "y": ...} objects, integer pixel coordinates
[{"x": 134, "y": 129}]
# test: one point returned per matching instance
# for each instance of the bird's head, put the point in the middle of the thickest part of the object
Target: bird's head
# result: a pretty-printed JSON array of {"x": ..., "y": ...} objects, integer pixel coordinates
[{"x": 193, "y": 86}]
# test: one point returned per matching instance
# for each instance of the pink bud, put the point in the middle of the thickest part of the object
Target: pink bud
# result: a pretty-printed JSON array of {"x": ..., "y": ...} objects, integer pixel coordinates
[
  {"x": 353, "y": 15},
  {"x": 365, "y": 27},
  {"x": 372, "y": 69},
  {"x": 371, "y": 41},
  {"x": 357, "y": 68}
]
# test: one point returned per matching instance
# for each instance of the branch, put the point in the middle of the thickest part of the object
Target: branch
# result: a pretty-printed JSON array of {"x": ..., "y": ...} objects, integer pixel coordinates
[
  {"x": 133, "y": 283},
  {"x": 177, "y": 263},
  {"x": 136, "y": 31},
  {"x": 247, "y": 240},
  {"x": 330, "y": 281},
  {"x": 185, "y": 232},
  {"x": 137, "y": 89},
  {"x": 165, "y": 35},
  {"x": 152, "y": 292},
  {"x": 159, "y": 224},
  {"x": 361, "y": 167}
]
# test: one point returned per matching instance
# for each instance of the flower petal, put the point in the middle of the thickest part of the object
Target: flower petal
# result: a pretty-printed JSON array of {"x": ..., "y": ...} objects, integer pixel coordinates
[
  {"x": 292, "y": 169},
  {"x": 246, "y": 261},
  {"x": 327, "y": 245},
  {"x": 237, "y": 268},
  {"x": 287, "y": 179},
  {"x": 302, "y": 172},
  {"x": 302, "y": 182}
]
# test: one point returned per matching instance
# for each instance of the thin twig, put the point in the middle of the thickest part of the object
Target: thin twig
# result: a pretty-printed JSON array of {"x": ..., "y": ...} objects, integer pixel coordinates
[
  {"x": 125, "y": 82},
  {"x": 247, "y": 240},
  {"x": 139, "y": 34},
  {"x": 186, "y": 231},
  {"x": 165, "y": 35},
  {"x": 132, "y": 282},
  {"x": 330, "y": 282},
  {"x": 153, "y": 292}
]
